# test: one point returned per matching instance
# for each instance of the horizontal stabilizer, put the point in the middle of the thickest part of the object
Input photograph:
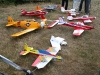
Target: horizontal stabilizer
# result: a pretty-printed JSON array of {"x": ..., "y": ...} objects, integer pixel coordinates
[
  {"x": 24, "y": 52},
  {"x": 9, "y": 25},
  {"x": 78, "y": 32},
  {"x": 87, "y": 21}
]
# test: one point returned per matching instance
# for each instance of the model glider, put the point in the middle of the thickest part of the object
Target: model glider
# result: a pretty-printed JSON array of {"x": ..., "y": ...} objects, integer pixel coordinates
[
  {"x": 28, "y": 24},
  {"x": 79, "y": 27},
  {"x": 38, "y": 12},
  {"x": 84, "y": 18},
  {"x": 6, "y": 60},
  {"x": 45, "y": 56}
]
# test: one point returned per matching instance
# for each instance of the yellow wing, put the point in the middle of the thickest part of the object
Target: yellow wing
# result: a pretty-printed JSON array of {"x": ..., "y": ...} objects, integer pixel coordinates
[{"x": 22, "y": 32}]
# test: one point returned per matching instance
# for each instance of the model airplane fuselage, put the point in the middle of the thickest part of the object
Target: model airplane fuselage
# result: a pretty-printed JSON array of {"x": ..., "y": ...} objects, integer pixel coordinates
[
  {"x": 79, "y": 27},
  {"x": 38, "y": 12},
  {"x": 50, "y": 7},
  {"x": 45, "y": 56},
  {"x": 72, "y": 12},
  {"x": 85, "y": 18},
  {"x": 29, "y": 25}
]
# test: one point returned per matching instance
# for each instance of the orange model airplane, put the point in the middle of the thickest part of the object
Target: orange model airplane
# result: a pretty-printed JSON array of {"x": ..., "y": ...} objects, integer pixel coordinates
[{"x": 29, "y": 24}]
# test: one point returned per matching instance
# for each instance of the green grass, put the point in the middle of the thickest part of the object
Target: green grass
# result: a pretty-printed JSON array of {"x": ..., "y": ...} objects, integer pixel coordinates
[{"x": 80, "y": 57}]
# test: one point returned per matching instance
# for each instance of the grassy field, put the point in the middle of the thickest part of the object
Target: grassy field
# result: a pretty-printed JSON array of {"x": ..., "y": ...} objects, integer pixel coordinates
[{"x": 80, "y": 57}]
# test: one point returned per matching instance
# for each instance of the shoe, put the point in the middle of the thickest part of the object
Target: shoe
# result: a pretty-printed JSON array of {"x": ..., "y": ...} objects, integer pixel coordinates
[{"x": 62, "y": 9}]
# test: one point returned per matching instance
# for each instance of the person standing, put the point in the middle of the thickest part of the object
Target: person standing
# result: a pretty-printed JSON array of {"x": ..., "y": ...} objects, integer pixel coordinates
[
  {"x": 87, "y": 6},
  {"x": 64, "y": 5},
  {"x": 76, "y": 4}
]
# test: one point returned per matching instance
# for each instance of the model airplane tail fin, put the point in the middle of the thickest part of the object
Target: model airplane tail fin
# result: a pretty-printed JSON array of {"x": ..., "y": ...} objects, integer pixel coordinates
[
  {"x": 10, "y": 21},
  {"x": 38, "y": 8},
  {"x": 61, "y": 20},
  {"x": 23, "y": 11},
  {"x": 27, "y": 49}
]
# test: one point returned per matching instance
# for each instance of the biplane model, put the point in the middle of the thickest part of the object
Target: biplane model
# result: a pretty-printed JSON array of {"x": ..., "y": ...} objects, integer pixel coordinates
[
  {"x": 28, "y": 24},
  {"x": 84, "y": 18},
  {"x": 79, "y": 27},
  {"x": 39, "y": 12},
  {"x": 45, "y": 56}
]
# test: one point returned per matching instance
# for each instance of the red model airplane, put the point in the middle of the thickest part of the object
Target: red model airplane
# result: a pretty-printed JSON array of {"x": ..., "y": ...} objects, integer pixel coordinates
[
  {"x": 38, "y": 12},
  {"x": 84, "y": 18},
  {"x": 79, "y": 27}
]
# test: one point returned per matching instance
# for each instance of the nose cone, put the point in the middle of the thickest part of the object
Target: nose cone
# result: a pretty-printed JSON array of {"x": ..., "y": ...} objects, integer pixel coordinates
[{"x": 43, "y": 23}]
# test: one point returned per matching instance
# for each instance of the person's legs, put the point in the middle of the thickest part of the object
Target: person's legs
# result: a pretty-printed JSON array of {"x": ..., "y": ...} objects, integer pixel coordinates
[
  {"x": 80, "y": 7},
  {"x": 87, "y": 6},
  {"x": 66, "y": 6},
  {"x": 62, "y": 3}
]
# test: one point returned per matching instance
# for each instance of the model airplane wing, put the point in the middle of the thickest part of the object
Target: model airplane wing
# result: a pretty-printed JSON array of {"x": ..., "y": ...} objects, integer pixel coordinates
[
  {"x": 87, "y": 21},
  {"x": 42, "y": 61},
  {"x": 53, "y": 23},
  {"x": 78, "y": 32},
  {"x": 22, "y": 32}
]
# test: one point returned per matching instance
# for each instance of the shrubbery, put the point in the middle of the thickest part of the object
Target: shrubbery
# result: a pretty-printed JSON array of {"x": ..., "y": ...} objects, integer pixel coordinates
[{"x": 15, "y": 2}]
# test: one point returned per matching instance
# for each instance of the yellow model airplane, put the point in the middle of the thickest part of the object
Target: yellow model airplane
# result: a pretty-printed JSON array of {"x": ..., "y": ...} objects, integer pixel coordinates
[{"x": 29, "y": 24}]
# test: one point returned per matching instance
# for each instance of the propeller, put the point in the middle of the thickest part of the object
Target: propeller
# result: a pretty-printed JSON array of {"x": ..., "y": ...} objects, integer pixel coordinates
[{"x": 28, "y": 72}]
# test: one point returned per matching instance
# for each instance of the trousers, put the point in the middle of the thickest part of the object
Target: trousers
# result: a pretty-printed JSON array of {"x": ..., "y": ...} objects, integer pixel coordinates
[
  {"x": 65, "y": 5},
  {"x": 87, "y": 5}
]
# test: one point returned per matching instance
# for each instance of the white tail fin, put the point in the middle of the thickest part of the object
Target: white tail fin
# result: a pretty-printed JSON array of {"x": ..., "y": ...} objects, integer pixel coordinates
[{"x": 61, "y": 20}]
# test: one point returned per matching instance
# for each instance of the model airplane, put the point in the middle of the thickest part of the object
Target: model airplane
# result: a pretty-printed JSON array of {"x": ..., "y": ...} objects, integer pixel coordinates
[
  {"x": 79, "y": 27},
  {"x": 84, "y": 18},
  {"x": 50, "y": 7},
  {"x": 28, "y": 24},
  {"x": 56, "y": 42},
  {"x": 72, "y": 12},
  {"x": 28, "y": 72},
  {"x": 38, "y": 12},
  {"x": 45, "y": 56}
]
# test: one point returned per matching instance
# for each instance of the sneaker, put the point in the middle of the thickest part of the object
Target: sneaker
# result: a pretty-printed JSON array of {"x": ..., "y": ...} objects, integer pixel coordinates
[{"x": 62, "y": 9}]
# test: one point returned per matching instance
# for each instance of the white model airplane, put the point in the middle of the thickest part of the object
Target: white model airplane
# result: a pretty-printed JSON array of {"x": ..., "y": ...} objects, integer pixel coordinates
[{"x": 72, "y": 12}]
